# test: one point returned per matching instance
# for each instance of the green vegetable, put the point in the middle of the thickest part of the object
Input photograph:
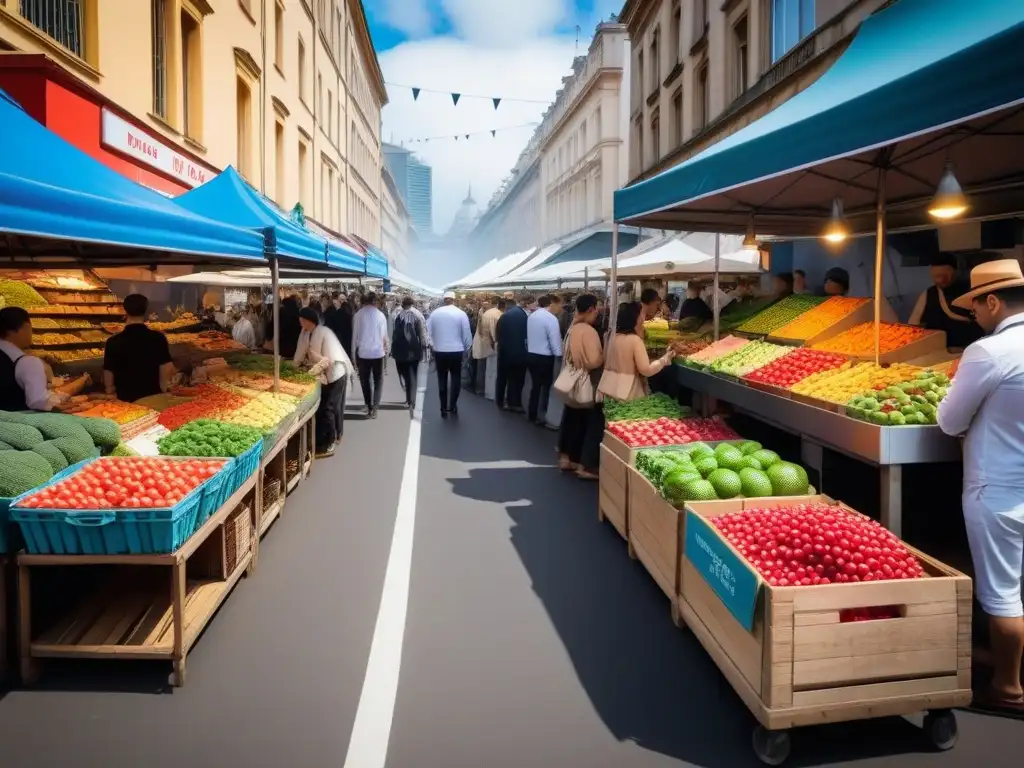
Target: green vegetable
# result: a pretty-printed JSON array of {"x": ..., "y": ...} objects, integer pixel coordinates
[
  {"x": 76, "y": 449},
  {"x": 104, "y": 432},
  {"x": 22, "y": 471},
  {"x": 265, "y": 364},
  {"x": 51, "y": 425},
  {"x": 651, "y": 407},
  {"x": 21, "y": 436},
  {"x": 209, "y": 438},
  {"x": 53, "y": 455},
  {"x": 122, "y": 449}
]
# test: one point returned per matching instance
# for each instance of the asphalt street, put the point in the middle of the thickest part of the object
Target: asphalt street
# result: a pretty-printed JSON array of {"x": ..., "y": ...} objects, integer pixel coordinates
[{"x": 530, "y": 639}]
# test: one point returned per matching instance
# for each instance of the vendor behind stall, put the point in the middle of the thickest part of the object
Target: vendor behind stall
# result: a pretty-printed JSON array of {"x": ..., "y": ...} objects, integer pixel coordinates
[
  {"x": 137, "y": 361},
  {"x": 694, "y": 306},
  {"x": 837, "y": 282},
  {"x": 23, "y": 379},
  {"x": 934, "y": 309}
]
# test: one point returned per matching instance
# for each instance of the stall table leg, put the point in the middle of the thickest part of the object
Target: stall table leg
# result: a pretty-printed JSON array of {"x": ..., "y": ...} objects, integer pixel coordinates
[
  {"x": 892, "y": 498},
  {"x": 29, "y": 666},
  {"x": 179, "y": 589}
]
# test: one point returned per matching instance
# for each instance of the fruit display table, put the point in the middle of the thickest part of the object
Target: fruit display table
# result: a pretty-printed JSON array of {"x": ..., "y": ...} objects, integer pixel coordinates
[{"x": 889, "y": 448}]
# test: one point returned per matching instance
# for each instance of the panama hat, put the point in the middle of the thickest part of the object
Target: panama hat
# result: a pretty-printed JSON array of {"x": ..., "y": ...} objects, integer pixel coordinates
[{"x": 991, "y": 276}]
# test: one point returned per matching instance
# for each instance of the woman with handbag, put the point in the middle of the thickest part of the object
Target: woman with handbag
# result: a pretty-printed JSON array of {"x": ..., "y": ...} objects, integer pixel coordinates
[
  {"x": 579, "y": 437},
  {"x": 627, "y": 365}
]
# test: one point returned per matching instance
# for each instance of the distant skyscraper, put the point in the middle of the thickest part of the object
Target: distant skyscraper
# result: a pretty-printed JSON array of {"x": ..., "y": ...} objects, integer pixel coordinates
[{"x": 414, "y": 180}]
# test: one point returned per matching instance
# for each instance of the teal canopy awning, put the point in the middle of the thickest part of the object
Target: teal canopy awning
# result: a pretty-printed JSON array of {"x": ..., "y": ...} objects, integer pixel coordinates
[{"x": 922, "y": 82}]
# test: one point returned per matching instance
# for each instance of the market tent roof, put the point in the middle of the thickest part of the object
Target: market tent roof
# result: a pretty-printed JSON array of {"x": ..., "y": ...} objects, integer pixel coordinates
[
  {"x": 51, "y": 193},
  {"x": 341, "y": 253},
  {"x": 493, "y": 269},
  {"x": 230, "y": 198},
  {"x": 574, "y": 264},
  {"x": 673, "y": 256},
  {"x": 376, "y": 261},
  {"x": 234, "y": 280},
  {"x": 922, "y": 81},
  {"x": 402, "y": 280}
]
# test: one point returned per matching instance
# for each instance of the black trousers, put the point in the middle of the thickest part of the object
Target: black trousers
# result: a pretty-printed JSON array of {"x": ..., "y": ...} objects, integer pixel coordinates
[
  {"x": 407, "y": 374},
  {"x": 511, "y": 377},
  {"x": 542, "y": 374},
  {"x": 473, "y": 364},
  {"x": 329, "y": 415},
  {"x": 580, "y": 435},
  {"x": 371, "y": 379},
  {"x": 449, "y": 369}
]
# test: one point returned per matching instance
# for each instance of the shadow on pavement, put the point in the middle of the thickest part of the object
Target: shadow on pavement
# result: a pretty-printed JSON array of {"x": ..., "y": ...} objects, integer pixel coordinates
[{"x": 650, "y": 682}]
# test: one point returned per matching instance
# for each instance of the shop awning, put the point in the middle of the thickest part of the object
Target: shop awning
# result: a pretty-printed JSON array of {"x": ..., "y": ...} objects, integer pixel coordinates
[
  {"x": 922, "y": 82},
  {"x": 229, "y": 198},
  {"x": 493, "y": 269},
  {"x": 376, "y": 262},
  {"x": 59, "y": 204},
  {"x": 342, "y": 253},
  {"x": 672, "y": 257}
]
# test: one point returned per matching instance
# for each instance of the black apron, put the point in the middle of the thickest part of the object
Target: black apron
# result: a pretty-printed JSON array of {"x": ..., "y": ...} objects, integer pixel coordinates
[
  {"x": 940, "y": 315},
  {"x": 12, "y": 396}
]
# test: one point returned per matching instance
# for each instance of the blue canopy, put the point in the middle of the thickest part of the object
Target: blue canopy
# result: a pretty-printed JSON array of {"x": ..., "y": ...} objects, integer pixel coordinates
[
  {"x": 922, "y": 82},
  {"x": 230, "y": 198},
  {"x": 376, "y": 263},
  {"x": 51, "y": 192}
]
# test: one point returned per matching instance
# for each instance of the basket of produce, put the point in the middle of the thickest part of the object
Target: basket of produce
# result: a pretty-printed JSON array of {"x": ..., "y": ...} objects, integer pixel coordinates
[
  {"x": 910, "y": 403},
  {"x": 837, "y": 386},
  {"x": 896, "y": 343},
  {"x": 209, "y": 438},
  {"x": 115, "y": 506},
  {"x": 623, "y": 438},
  {"x": 747, "y": 358},
  {"x": 781, "y": 374},
  {"x": 779, "y": 314},
  {"x": 271, "y": 492}
]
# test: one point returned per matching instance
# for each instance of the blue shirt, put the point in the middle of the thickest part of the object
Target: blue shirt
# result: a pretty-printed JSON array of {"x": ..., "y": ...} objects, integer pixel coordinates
[{"x": 543, "y": 335}]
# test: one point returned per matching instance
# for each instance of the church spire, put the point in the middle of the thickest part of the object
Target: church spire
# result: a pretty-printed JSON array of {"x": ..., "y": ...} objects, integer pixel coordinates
[{"x": 469, "y": 196}]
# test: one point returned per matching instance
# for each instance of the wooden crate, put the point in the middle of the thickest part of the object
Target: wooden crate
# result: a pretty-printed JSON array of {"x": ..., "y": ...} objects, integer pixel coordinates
[
  {"x": 799, "y": 665},
  {"x": 655, "y": 533},
  {"x": 613, "y": 491},
  {"x": 618, "y": 448}
]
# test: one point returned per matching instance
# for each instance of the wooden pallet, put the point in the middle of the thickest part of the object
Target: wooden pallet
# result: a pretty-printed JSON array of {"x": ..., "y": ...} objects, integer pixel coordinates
[{"x": 800, "y": 665}]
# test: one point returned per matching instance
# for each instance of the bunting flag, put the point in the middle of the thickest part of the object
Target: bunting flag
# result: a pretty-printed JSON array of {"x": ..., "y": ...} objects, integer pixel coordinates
[
  {"x": 467, "y": 136},
  {"x": 457, "y": 95}
]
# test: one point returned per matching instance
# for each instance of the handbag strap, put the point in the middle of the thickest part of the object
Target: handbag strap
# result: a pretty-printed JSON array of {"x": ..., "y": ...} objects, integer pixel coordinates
[{"x": 566, "y": 356}]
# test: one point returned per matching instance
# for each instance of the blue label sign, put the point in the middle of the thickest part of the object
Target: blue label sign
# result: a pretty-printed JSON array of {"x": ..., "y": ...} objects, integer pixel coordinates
[{"x": 731, "y": 579}]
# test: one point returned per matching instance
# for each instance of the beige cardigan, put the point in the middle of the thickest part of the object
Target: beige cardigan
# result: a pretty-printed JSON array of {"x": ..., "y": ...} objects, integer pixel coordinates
[{"x": 627, "y": 367}]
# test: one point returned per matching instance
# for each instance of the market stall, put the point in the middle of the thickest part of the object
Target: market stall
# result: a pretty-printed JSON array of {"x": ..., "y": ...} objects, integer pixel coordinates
[
  {"x": 187, "y": 480},
  {"x": 925, "y": 139}
]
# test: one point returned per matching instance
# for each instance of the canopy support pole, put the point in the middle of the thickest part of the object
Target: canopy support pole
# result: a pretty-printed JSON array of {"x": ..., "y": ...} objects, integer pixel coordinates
[
  {"x": 586, "y": 278},
  {"x": 879, "y": 259},
  {"x": 275, "y": 287},
  {"x": 613, "y": 283},
  {"x": 716, "y": 302}
]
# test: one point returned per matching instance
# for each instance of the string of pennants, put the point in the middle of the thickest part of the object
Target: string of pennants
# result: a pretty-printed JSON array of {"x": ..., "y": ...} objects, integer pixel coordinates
[
  {"x": 456, "y": 96},
  {"x": 467, "y": 136}
]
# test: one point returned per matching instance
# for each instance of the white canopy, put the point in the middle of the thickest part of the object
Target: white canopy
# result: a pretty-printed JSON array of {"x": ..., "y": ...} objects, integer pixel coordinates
[
  {"x": 402, "y": 280},
  {"x": 672, "y": 256},
  {"x": 237, "y": 280},
  {"x": 493, "y": 269}
]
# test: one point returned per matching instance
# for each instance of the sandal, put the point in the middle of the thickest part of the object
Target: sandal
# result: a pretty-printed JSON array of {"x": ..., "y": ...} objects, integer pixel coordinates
[
  {"x": 583, "y": 474},
  {"x": 567, "y": 466},
  {"x": 992, "y": 701}
]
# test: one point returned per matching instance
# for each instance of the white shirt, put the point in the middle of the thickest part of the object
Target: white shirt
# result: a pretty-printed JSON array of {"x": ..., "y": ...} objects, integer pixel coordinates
[
  {"x": 543, "y": 336},
  {"x": 244, "y": 333},
  {"x": 322, "y": 346},
  {"x": 369, "y": 334},
  {"x": 448, "y": 328},
  {"x": 986, "y": 401},
  {"x": 30, "y": 374}
]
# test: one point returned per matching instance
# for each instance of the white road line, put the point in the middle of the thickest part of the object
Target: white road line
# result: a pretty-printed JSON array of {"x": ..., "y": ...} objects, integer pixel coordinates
[{"x": 368, "y": 747}]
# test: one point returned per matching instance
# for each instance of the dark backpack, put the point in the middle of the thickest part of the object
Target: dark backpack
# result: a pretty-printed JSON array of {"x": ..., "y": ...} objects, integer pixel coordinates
[{"x": 408, "y": 346}]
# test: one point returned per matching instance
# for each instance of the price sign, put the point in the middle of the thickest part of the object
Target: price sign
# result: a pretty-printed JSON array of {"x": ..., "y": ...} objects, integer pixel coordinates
[{"x": 730, "y": 578}]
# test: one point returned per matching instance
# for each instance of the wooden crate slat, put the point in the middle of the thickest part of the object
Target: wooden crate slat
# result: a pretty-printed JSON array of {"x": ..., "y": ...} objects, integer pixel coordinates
[
  {"x": 124, "y": 603},
  {"x": 664, "y": 581},
  {"x": 842, "y": 695},
  {"x": 69, "y": 630},
  {"x": 866, "y": 638},
  {"x": 135, "y": 611},
  {"x": 818, "y": 673},
  {"x": 877, "y": 593}
]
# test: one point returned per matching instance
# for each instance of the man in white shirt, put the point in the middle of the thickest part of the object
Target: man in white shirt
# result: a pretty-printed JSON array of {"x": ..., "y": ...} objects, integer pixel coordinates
[
  {"x": 986, "y": 402},
  {"x": 543, "y": 347},
  {"x": 320, "y": 349},
  {"x": 370, "y": 347},
  {"x": 23, "y": 381},
  {"x": 448, "y": 329}
]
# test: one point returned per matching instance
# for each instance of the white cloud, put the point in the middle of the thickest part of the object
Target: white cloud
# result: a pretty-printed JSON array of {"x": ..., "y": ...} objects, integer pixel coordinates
[{"x": 504, "y": 23}]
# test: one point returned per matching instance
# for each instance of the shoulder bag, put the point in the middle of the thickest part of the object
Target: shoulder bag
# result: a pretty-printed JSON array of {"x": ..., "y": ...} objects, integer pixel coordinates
[{"x": 573, "y": 384}]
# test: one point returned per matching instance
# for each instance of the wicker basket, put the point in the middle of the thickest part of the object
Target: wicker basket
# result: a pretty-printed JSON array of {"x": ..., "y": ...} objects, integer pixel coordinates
[
  {"x": 291, "y": 467},
  {"x": 237, "y": 537},
  {"x": 271, "y": 493}
]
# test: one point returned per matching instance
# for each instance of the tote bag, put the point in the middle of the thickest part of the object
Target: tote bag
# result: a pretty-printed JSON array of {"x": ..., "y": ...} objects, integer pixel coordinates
[{"x": 573, "y": 384}]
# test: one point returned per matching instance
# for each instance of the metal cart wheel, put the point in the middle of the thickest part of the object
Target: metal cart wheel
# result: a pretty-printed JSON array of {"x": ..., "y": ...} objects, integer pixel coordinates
[
  {"x": 941, "y": 729},
  {"x": 771, "y": 747}
]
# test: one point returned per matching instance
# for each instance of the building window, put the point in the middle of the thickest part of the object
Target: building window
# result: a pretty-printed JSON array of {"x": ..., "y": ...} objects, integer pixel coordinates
[
  {"x": 655, "y": 62},
  {"x": 676, "y": 33},
  {"x": 279, "y": 36},
  {"x": 243, "y": 111},
  {"x": 303, "y": 174},
  {"x": 641, "y": 83},
  {"x": 319, "y": 104},
  {"x": 330, "y": 115},
  {"x": 638, "y": 132},
  {"x": 702, "y": 100},
  {"x": 302, "y": 71},
  {"x": 598, "y": 128},
  {"x": 677, "y": 119},
  {"x": 700, "y": 20},
  {"x": 191, "y": 76},
  {"x": 279, "y": 192},
  {"x": 655, "y": 137},
  {"x": 792, "y": 21},
  {"x": 740, "y": 58},
  {"x": 159, "y": 13},
  {"x": 583, "y": 136},
  {"x": 63, "y": 20}
]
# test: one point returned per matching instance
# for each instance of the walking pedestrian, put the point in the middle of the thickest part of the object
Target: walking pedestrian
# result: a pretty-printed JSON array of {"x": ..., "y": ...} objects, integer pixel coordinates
[
  {"x": 407, "y": 345},
  {"x": 320, "y": 349},
  {"x": 450, "y": 336},
  {"x": 510, "y": 332},
  {"x": 544, "y": 346},
  {"x": 985, "y": 402},
  {"x": 370, "y": 344},
  {"x": 582, "y": 428}
]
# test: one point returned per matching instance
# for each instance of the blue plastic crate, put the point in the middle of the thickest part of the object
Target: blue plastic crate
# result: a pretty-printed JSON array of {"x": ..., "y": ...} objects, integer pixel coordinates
[
  {"x": 245, "y": 464},
  {"x": 215, "y": 493},
  {"x": 5, "y": 523},
  {"x": 106, "y": 531}
]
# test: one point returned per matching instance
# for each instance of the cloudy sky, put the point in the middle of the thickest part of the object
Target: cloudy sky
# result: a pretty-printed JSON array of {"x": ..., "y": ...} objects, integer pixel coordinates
[{"x": 509, "y": 49}]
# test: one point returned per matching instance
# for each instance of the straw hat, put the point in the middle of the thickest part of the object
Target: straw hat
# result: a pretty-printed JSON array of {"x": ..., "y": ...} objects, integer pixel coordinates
[{"x": 991, "y": 276}]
